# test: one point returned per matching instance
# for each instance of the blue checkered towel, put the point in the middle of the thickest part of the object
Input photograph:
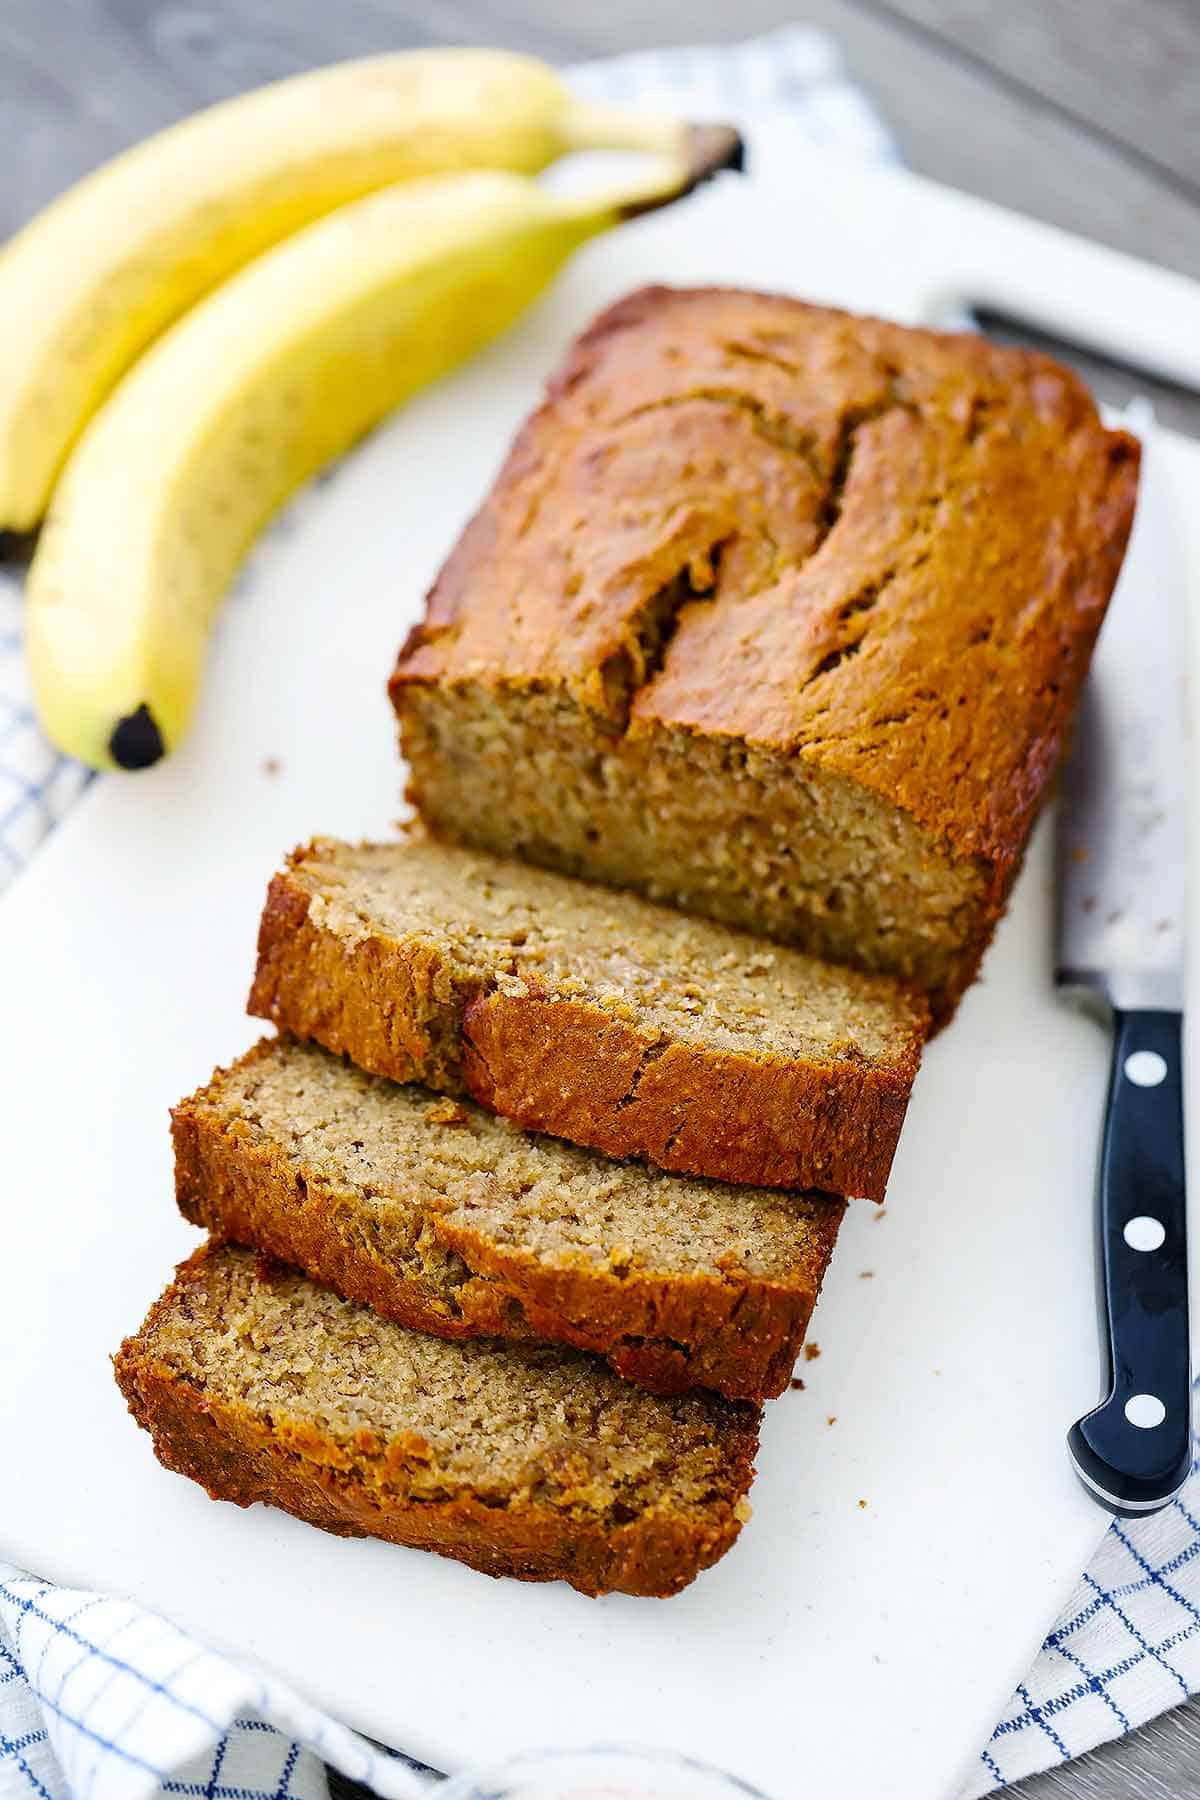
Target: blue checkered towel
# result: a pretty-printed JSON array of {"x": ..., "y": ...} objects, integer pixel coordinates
[
  {"x": 38, "y": 785},
  {"x": 104, "y": 1701}
]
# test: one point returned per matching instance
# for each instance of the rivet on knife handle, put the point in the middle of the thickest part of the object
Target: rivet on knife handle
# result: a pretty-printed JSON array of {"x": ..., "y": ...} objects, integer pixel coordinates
[{"x": 1134, "y": 1451}]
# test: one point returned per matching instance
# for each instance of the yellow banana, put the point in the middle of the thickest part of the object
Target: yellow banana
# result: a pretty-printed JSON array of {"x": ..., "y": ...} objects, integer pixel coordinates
[
  {"x": 249, "y": 394},
  {"x": 104, "y": 269}
]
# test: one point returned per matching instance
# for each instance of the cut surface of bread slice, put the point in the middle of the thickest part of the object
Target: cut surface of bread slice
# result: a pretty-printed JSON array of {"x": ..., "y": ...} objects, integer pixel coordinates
[
  {"x": 592, "y": 1015},
  {"x": 519, "y": 1460},
  {"x": 450, "y": 1220},
  {"x": 778, "y": 613}
]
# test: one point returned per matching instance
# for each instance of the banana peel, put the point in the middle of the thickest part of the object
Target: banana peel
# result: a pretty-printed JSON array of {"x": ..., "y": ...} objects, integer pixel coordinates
[
  {"x": 253, "y": 391},
  {"x": 95, "y": 278}
]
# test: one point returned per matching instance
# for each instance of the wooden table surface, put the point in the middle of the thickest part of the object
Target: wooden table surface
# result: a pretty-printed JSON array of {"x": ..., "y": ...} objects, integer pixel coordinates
[{"x": 1083, "y": 112}]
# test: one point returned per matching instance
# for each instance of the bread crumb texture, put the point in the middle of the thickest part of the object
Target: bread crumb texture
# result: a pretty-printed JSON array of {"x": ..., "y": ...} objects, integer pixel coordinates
[
  {"x": 405, "y": 1157},
  {"x": 495, "y": 921},
  {"x": 531, "y": 1459},
  {"x": 779, "y": 613},
  {"x": 596, "y": 1016},
  {"x": 453, "y": 1220}
]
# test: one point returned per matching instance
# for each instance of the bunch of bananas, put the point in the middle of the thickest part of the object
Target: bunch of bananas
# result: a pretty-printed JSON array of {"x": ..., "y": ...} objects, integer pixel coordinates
[{"x": 195, "y": 329}]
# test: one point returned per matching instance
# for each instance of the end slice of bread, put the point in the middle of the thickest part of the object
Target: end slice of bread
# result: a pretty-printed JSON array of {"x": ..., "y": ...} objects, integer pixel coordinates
[
  {"x": 595, "y": 1016},
  {"x": 779, "y": 614},
  {"x": 529, "y": 1461},
  {"x": 450, "y": 1220}
]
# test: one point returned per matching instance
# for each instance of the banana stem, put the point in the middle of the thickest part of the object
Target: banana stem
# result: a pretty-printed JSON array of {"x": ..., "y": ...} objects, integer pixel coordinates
[
  {"x": 588, "y": 127},
  {"x": 699, "y": 152}
]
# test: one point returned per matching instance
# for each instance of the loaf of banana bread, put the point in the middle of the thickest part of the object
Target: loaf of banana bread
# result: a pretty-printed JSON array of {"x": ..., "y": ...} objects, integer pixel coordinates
[
  {"x": 519, "y": 1460},
  {"x": 779, "y": 614},
  {"x": 452, "y": 1221},
  {"x": 624, "y": 1026}
]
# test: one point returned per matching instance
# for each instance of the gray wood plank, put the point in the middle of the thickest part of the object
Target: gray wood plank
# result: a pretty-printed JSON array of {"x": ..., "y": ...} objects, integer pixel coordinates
[
  {"x": 85, "y": 80},
  {"x": 1129, "y": 70},
  {"x": 1161, "y": 1761},
  {"x": 1084, "y": 112},
  {"x": 148, "y": 62},
  {"x": 953, "y": 119}
]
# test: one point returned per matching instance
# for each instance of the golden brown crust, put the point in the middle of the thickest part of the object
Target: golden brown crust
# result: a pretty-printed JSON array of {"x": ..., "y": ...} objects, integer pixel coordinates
[
  {"x": 235, "y": 1455},
  {"x": 731, "y": 1332},
  {"x": 365, "y": 1001},
  {"x": 763, "y": 1123},
  {"x": 893, "y": 550},
  {"x": 738, "y": 1336},
  {"x": 873, "y": 425},
  {"x": 397, "y": 1008}
]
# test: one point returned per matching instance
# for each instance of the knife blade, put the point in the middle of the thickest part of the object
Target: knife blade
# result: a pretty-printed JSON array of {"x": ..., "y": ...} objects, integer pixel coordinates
[{"x": 1121, "y": 844}]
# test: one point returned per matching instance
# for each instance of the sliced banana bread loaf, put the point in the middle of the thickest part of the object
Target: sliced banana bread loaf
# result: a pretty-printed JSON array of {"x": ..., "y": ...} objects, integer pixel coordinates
[
  {"x": 527, "y": 1461},
  {"x": 779, "y": 614},
  {"x": 447, "y": 1219},
  {"x": 592, "y": 1015}
]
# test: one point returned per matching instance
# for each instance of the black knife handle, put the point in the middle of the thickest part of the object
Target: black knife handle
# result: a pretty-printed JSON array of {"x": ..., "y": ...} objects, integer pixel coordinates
[{"x": 1135, "y": 1467}]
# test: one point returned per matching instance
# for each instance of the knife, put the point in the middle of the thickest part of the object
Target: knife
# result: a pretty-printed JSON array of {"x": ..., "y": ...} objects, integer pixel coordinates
[{"x": 1121, "y": 863}]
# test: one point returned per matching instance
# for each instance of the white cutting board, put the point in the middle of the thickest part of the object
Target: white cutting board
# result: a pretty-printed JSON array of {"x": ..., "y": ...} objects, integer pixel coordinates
[{"x": 843, "y": 1649}]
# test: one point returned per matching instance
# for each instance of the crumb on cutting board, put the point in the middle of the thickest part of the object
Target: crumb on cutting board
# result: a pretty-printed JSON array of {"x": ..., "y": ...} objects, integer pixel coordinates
[{"x": 811, "y": 1352}]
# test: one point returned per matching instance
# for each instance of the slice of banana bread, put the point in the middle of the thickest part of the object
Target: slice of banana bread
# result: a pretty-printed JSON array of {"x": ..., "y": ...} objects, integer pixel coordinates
[
  {"x": 779, "y": 614},
  {"x": 526, "y": 1461},
  {"x": 449, "y": 1220},
  {"x": 592, "y": 1015}
]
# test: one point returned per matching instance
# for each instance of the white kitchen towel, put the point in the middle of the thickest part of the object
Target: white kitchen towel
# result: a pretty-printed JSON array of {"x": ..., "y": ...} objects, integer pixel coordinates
[
  {"x": 104, "y": 1701},
  {"x": 1125, "y": 1648},
  {"x": 101, "y": 1700}
]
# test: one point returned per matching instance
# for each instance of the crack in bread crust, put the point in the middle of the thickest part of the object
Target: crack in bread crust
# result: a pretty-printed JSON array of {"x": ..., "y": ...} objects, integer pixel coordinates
[{"x": 893, "y": 757}]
